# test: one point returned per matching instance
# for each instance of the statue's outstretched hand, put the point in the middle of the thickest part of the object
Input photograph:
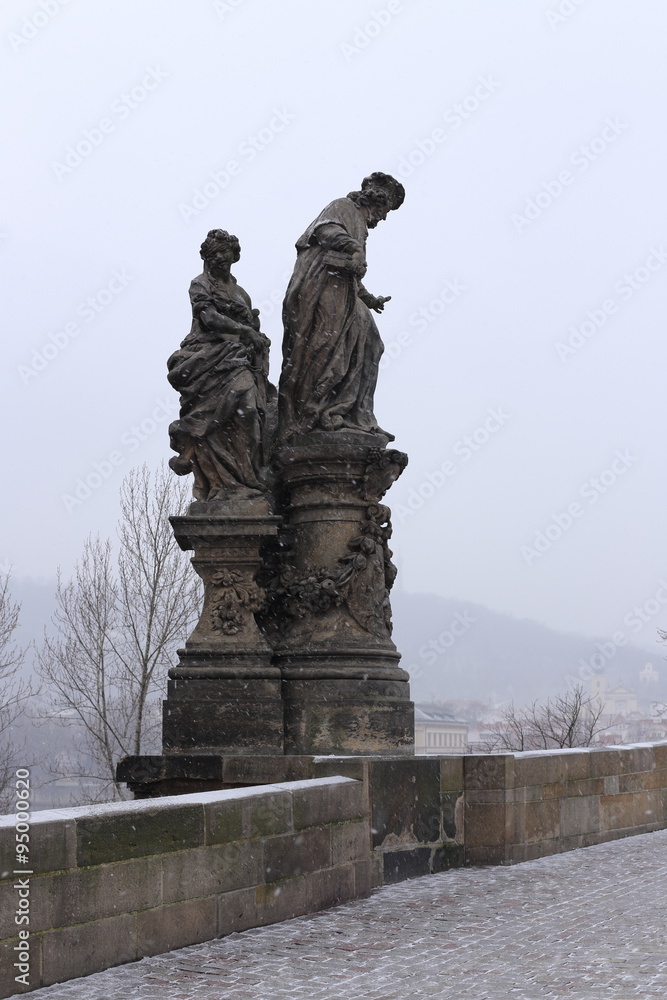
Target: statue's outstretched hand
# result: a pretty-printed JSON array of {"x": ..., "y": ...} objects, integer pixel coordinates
[{"x": 378, "y": 302}]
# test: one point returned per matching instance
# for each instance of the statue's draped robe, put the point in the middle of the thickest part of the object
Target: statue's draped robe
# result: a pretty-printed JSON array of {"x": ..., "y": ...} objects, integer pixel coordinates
[
  {"x": 331, "y": 347},
  {"x": 223, "y": 387}
]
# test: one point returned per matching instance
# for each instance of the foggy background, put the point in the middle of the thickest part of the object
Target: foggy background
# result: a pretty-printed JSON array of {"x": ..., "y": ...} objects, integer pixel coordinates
[{"x": 524, "y": 370}]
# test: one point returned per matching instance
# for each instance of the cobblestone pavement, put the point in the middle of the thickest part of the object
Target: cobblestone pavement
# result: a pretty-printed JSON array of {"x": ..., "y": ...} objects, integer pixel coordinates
[{"x": 584, "y": 925}]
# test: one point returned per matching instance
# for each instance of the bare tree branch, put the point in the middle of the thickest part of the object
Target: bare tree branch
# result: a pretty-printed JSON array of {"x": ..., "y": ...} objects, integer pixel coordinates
[
  {"x": 568, "y": 720},
  {"x": 117, "y": 625},
  {"x": 14, "y": 691}
]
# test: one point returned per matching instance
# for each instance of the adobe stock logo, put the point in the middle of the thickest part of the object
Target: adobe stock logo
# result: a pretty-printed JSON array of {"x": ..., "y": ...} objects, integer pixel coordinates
[
  {"x": 591, "y": 491},
  {"x": 219, "y": 180},
  {"x": 365, "y": 33},
  {"x": 33, "y": 24},
  {"x": 58, "y": 341},
  {"x": 120, "y": 109},
  {"x": 464, "y": 449},
  {"x": 581, "y": 158},
  {"x": 625, "y": 288},
  {"x": 421, "y": 319},
  {"x": 130, "y": 441},
  {"x": 454, "y": 118}
]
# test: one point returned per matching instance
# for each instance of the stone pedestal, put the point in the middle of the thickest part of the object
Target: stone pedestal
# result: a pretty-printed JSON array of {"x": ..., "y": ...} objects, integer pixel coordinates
[
  {"x": 224, "y": 694},
  {"x": 328, "y": 612}
]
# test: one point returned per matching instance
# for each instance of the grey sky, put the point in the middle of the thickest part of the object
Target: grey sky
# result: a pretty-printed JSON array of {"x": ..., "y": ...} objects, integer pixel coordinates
[{"x": 479, "y": 107}]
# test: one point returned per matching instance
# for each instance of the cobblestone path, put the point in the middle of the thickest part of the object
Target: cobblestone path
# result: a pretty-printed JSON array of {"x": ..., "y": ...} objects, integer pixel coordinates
[{"x": 584, "y": 925}]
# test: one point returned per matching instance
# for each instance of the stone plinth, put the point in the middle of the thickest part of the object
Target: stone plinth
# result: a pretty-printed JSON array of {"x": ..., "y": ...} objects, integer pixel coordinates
[
  {"x": 224, "y": 694},
  {"x": 328, "y": 612}
]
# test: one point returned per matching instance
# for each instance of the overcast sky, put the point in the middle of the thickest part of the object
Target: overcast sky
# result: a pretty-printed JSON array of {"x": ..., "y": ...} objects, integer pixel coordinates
[{"x": 524, "y": 372}]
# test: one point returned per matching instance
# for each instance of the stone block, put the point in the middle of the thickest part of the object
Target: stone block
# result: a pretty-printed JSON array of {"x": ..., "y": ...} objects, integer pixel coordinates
[
  {"x": 488, "y": 771},
  {"x": 487, "y": 855},
  {"x": 257, "y": 769},
  {"x": 605, "y": 762},
  {"x": 531, "y": 770},
  {"x": 451, "y": 774},
  {"x": 529, "y": 852},
  {"x": 584, "y": 786},
  {"x": 331, "y": 800},
  {"x": 657, "y": 778},
  {"x": 575, "y": 766},
  {"x": 211, "y": 870},
  {"x": 223, "y": 821},
  {"x": 405, "y": 801},
  {"x": 448, "y": 856},
  {"x": 558, "y": 765},
  {"x": 627, "y": 810},
  {"x": 8, "y": 985},
  {"x": 611, "y": 785},
  {"x": 160, "y": 768},
  {"x": 362, "y": 872},
  {"x": 517, "y": 812},
  {"x": 659, "y": 751},
  {"x": 40, "y": 899},
  {"x": 554, "y": 790},
  {"x": 236, "y": 911},
  {"x": 634, "y": 782},
  {"x": 377, "y": 863},
  {"x": 347, "y": 767},
  {"x": 89, "y": 894},
  {"x": 350, "y": 842},
  {"x": 541, "y": 820},
  {"x": 52, "y": 845},
  {"x": 71, "y": 952},
  {"x": 176, "y": 926},
  {"x": 410, "y": 863},
  {"x": 329, "y": 887},
  {"x": 354, "y": 719},
  {"x": 653, "y": 803},
  {"x": 579, "y": 816},
  {"x": 283, "y": 900},
  {"x": 138, "y": 834},
  {"x": 225, "y": 726},
  {"x": 294, "y": 854},
  {"x": 485, "y": 825},
  {"x": 266, "y": 815},
  {"x": 499, "y": 796},
  {"x": 636, "y": 759}
]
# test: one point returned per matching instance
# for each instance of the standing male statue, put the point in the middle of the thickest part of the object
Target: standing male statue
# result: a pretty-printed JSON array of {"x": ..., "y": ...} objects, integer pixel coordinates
[
  {"x": 221, "y": 373},
  {"x": 332, "y": 347}
]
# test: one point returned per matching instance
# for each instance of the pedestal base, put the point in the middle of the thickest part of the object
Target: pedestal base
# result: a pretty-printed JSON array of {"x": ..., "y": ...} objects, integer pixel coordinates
[
  {"x": 348, "y": 717},
  {"x": 223, "y": 715}
]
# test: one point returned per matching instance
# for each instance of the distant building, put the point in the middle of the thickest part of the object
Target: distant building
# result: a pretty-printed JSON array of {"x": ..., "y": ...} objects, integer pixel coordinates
[
  {"x": 437, "y": 732},
  {"x": 620, "y": 701},
  {"x": 617, "y": 701},
  {"x": 649, "y": 675}
]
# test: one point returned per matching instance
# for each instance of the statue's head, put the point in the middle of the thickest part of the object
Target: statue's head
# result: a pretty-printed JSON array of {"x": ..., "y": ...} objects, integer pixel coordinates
[
  {"x": 380, "y": 194},
  {"x": 219, "y": 248}
]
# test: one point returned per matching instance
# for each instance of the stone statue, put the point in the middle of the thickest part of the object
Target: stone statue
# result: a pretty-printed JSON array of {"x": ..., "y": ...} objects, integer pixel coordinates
[
  {"x": 332, "y": 347},
  {"x": 221, "y": 373}
]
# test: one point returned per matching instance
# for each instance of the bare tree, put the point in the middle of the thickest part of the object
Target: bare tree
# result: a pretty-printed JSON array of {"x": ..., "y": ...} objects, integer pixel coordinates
[
  {"x": 117, "y": 625},
  {"x": 568, "y": 720},
  {"x": 659, "y": 708},
  {"x": 14, "y": 690}
]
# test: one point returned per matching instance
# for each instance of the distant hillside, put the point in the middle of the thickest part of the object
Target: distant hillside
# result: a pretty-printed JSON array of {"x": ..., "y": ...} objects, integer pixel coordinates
[{"x": 456, "y": 649}]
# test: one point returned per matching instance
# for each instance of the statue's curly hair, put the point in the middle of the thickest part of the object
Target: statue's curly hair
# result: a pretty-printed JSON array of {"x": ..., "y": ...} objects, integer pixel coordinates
[
  {"x": 216, "y": 239},
  {"x": 379, "y": 187}
]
